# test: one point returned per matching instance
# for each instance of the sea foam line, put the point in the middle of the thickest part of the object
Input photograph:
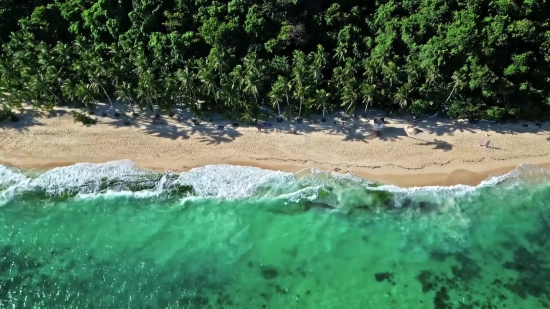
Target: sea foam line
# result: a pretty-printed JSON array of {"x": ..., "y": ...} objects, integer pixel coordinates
[{"x": 220, "y": 181}]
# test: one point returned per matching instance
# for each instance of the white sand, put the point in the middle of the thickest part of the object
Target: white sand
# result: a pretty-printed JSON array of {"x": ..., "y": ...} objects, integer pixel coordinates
[{"x": 427, "y": 158}]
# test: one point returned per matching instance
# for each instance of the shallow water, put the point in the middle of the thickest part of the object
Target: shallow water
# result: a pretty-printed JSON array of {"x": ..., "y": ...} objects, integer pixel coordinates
[{"x": 234, "y": 237}]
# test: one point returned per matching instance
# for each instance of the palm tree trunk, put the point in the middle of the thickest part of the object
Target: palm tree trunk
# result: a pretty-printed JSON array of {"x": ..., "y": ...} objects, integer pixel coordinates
[
  {"x": 108, "y": 98},
  {"x": 366, "y": 107},
  {"x": 287, "y": 103},
  {"x": 349, "y": 106},
  {"x": 453, "y": 90},
  {"x": 300, "y": 110}
]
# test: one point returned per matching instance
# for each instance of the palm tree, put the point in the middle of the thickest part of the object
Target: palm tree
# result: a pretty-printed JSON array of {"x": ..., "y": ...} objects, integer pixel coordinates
[
  {"x": 187, "y": 87},
  {"x": 216, "y": 61},
  {"x": 367, "y": 91},
  {"x": 251, "y": 86},
  {"x": 371, "y": 70},
  {"x": 238, "y": 75},
  {"x": 87, "y": 96},
  {"x": 101, "y": 70},
  {"x": 208, "y": 80},
  {"x": 125, "y": 94},
  {"x": 298, "y": 78},
  {"x": 457, "y": 80},
  {"x": 401, "y": 97},
  {"x": 146, "y": 90},
  {"x": 251, "y": 64},
  {"x": 321, "y": 98},
  {"x": 349, "y": 94},
  {"x": 276, "y": 94},
  {"x": 340, "y": 52},
  {"x": 390, "y": 72},
  {"x": 318, "y": 62},
  {"x": 300, "y": 91}
]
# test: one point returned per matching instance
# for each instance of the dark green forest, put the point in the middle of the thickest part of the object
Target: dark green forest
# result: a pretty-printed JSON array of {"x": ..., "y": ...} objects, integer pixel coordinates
[{"x": 470, "y": 59}]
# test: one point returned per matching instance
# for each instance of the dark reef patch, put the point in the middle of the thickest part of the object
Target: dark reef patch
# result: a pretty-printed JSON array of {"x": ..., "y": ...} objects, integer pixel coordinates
[
  {"x": 269, "y": 272},
  {"x": 385, "y": 276}
]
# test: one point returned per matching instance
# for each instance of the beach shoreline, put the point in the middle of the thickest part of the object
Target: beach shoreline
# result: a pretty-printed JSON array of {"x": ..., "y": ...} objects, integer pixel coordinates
[
  {"x": 449, "y": 175},
  {"x": 445, "y": 153}
]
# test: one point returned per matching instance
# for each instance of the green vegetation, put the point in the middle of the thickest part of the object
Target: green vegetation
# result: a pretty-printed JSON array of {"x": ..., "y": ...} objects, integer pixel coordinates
[
  {"x": 475, "y": 59},
  {"x": 84, "y": 119}
]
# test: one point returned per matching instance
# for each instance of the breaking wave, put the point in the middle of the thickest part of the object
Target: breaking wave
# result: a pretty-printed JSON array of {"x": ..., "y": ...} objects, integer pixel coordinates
[{"x": 222, "y": 181}]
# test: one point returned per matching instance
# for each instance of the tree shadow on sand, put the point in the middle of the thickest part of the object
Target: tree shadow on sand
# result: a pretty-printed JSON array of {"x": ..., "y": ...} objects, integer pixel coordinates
[
  {"x": 164, "y": 129},
  {"x": 24, "y": 121},
  {"x": 215, "y": 136},
  {"x": 445, "y": 126},
  {"x": 436, "y": 144}
]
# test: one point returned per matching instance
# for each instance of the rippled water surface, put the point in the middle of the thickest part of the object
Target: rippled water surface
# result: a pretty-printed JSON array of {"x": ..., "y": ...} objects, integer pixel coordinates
[{"x": 112, "y": 236}]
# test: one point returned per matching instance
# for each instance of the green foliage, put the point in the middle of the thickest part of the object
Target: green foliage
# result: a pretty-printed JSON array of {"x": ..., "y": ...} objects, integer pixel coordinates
[
  {"x": 82, "y": 118},
  {"x": 486, "y": 59}
]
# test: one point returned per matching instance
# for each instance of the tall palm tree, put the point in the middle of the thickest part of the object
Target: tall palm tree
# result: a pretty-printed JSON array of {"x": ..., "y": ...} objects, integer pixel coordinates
[
  {"x": 349, "y": 95},
  {"x": 146, "y": 90},
  {"x": 402, "y": 94},
  {"x": 321, "y": 99},
  {"x": 368, "y": 92},
  {"x": 100, "y": 72},
  {"x": 208, "y": 80},
  {"x": 278, "y": 91},
  {"x": 186, "y": 81},
  {"x": 251, "y": 86},
  {"x": 299, "y": 78},
  {"x": 125, "y": 94}
]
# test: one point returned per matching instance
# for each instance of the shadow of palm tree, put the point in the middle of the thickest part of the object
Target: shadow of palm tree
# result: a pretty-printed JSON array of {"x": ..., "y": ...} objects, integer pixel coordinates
[
  {"x": 436, "y": 144},
  {"x": 24, "y": 121},
  {"x": 215, "y": 136},
  {"x": 164, "y": 129}
]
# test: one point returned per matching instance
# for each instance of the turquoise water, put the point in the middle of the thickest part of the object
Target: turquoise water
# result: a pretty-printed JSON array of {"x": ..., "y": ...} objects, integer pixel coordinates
[{"x": 113, "y": 236}]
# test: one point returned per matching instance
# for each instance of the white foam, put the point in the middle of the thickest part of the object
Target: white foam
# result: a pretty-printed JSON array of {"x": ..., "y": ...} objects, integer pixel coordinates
[
  {"x": 230, "y": 181},
  {"x": 223, "y": 181}
]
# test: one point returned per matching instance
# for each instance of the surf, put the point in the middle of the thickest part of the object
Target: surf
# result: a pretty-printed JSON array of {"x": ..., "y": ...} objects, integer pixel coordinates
[{"x": 309, "y": 188}]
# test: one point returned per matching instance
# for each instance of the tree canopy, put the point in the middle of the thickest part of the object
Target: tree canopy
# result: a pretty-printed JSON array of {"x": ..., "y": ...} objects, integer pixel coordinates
[{"x": 472, "y": 58}]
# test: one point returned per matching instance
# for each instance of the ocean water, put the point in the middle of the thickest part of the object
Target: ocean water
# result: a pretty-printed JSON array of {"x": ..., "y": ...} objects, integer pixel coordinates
[{"x": 113, "y": 236}]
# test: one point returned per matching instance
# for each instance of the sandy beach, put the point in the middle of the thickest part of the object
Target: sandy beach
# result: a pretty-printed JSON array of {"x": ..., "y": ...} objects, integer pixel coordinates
[{"x": 446, "y": 152}]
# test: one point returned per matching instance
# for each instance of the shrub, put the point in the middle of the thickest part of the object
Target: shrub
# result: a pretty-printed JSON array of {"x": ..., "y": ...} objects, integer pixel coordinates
[{"x": 82, "y": 118}]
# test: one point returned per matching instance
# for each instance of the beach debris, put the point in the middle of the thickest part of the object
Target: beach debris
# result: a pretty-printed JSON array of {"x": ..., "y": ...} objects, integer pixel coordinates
[
  {"x": 292, "y": 131},
  {"x": 412, "y": 130},
  {"x": 337, "y": 169}
]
